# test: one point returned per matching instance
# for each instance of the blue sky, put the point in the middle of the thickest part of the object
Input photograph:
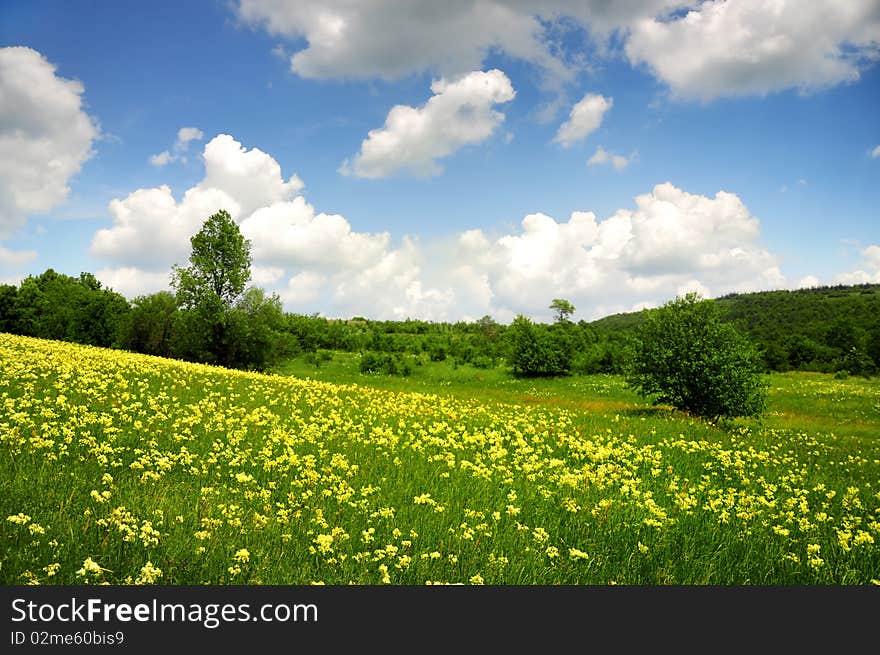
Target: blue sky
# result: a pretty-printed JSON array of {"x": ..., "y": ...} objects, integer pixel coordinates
[{"x": 719, "y": 147}]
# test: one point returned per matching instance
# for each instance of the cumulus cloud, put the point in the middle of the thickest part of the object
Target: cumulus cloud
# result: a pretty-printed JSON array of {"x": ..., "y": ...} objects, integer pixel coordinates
[
  {"x": 389, "y": 40},
  {"x": 184, "y": 136},
  {"x": 151, "y": 229},
  {"x": 15, "y": 258},
  {"x": 459, "y": 113},
  {"x": 602, "y": 156},
  {"x": 132, "y": 282},
  {"x": 868, "y": 272},
  {"x": 45, "y": 136},
  {"x": 702, "y": 49},
  {"x": 671, "y": 241},
  {"x": 302, "y": 288},
  {"x": 266, "y": 275},
  {"x": 757, "y": 47},
  {"x": 292, "y": 231},
  {"x": 808, "y": 282},
  {"x": 309, "y": 254},
  {"x": 584, "y": 119},
  {"x": 668, "y": 241}
]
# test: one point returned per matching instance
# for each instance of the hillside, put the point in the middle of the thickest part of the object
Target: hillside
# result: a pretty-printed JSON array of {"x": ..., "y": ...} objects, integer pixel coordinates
[
  {"x": 810, "y": 329},
  {"x": 122, "y": 468}
]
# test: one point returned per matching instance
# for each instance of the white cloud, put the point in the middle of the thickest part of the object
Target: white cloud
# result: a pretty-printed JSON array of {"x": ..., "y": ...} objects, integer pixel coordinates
[
  {"x": 602, "y": 156},
  {"x": 347, "y": 271},
  {"x": 584, "y": 119},
  {"x": 668, "y": 241},
  {"x": 15, "y": 258},
  {"x": 184, "y": 136},
  {"x": 151, "y": 229},
  {"x": 292, "y": 233},
  {"x": 45, "y": 136},
  {"x": 717, "y": 48},
  {"x": 303, "y": 288},
  {"x": 458, "y": 114},
  {"x": 673, "y": 240},
  {"x": 869, "y": 271},
  {"x": 162, "y": 159},
  {"x": 393, "y": 39},
  {"x": 266, "y": 275},
  {"x": 875, "y": 153},
  {"x": 693, "y": 286},
  {"x": 758, "y": 47},
  {"x": 131, "y": 281},
  {"x": 808, "y": 282}
]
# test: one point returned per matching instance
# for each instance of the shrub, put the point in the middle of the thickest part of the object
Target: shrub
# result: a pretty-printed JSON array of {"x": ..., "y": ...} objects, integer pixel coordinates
[
  {"x": 539, "y": 350},
  {"x": 688, "y": 358},
  {"x": 373, "y": 362}
]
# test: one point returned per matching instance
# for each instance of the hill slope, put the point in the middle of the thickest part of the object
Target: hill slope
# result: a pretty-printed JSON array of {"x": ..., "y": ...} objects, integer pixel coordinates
[{"x": 821, "y": 329}]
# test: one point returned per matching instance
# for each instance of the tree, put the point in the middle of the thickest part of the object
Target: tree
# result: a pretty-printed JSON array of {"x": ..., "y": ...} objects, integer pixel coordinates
[
  {"x": 56, "y": 306},
  {"x": 562, "y": 308},
  {"x": 687, "y": 357},
  {"x": 256, "y": 331},
  {"x": 9, "y": 308},
  {"x": 148, "y": 327},
  {"x": 220, "y": 264},
  {"x": 539, "y": 350},
  {"x": 219, "y": 270}
]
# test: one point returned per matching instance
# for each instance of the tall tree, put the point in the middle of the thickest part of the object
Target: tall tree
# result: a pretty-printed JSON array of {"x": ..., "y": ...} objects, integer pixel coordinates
[
  {"x": 562, "y": 309},
  {"x": 220, "y": 264},
  {"x": 219, "y": 270}
]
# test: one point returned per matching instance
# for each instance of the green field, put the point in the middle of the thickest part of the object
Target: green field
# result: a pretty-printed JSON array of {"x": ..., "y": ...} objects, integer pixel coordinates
[{"x": 124, "y": 468}]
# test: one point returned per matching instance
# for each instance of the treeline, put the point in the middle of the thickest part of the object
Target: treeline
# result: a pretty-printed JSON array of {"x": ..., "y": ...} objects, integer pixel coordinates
[
  {"x": 78, "y": 309},
  {"x": 826, "y": 329},
  {"x": 256, "y": 333}
]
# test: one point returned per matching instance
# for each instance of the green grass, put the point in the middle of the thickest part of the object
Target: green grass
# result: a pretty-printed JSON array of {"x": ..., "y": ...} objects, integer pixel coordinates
[
  {"x": 124, "y": 460},
  {"x": 465, "y": 381}
]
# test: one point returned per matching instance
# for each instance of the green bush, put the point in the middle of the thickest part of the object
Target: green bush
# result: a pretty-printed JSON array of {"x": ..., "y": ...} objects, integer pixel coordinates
[
  {"x": 539, "y": 350},
  {"x": 686, "y": 357},
  {"x": 387, "y": 363}
]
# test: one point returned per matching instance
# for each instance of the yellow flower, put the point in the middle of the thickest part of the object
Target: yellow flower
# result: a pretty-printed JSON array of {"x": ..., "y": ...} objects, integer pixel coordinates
[
  {"x": 325, "y": 542},
  {"x": 90, "y": 567},
  {"x": 574, "y": 553},
  {"x": 148, "y": 575},
  {"x": 242, "y": 556},
  {"x": 477, "y": 579}
]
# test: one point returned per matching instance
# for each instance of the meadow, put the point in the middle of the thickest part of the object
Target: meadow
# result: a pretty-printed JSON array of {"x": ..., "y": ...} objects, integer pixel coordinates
[{"x": 128, "y": 469}]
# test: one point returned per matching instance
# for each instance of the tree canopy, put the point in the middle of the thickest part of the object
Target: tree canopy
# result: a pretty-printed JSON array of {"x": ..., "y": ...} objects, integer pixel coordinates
[
  {"x": 220, "y": 264},
  {"x": 562, "y": 309},
  {"x": 686, "y": 357}
]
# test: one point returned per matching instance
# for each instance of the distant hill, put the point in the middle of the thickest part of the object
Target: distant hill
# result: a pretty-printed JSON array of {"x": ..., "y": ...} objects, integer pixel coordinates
[{"x": 822, "y": 328}]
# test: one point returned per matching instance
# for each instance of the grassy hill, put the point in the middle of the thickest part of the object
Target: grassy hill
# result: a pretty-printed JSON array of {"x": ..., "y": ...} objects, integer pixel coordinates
[{"x": 125, "y": 468}]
